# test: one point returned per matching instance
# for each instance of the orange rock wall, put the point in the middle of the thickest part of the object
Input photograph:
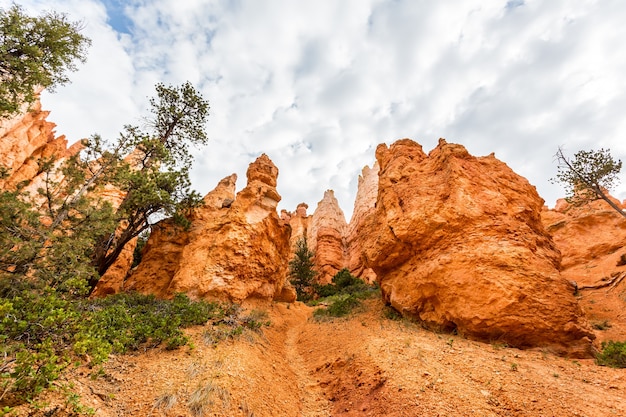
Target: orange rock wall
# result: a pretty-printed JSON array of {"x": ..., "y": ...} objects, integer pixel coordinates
[{"x": 24, "y": 140}]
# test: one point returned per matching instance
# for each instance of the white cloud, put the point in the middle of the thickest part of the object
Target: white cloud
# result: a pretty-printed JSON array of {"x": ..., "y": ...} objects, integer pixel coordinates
[{"x": 318, "y": 84}]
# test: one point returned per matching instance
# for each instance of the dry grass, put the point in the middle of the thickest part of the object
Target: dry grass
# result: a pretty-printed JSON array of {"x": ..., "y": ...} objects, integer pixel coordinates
[{"x": 165, "y": 401}]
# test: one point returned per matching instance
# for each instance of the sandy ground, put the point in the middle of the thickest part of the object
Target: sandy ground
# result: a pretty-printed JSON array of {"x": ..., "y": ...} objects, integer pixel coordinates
[{"x": 364, "y": 365}]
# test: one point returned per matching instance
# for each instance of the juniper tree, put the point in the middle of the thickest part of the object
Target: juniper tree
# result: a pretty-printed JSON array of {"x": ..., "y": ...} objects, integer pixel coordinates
[
  {"x": 589, "y": 176},
  {"x": 302, "y": 270},
  {"x": 35, "y": 52}
]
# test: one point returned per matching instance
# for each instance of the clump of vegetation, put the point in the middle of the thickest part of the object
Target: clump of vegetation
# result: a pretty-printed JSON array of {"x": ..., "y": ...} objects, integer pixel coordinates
[
  {"x": 201, "y": 400},
  {"x": 302, "y": 271},
  {"x": 36, "y": 52},
  {"x": 343, "y": 295},
  {"x": 42, "y": 334},
  {"x": 233, "y": 324},
  {"x": 601, "y": 325},
  {"x": 613, "y": 354}
]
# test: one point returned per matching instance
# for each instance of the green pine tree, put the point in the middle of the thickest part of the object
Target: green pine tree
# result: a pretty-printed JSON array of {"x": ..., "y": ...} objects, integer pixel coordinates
[
  {"x": 35, "y": 52},
  {"x": 302, "y": 271}
]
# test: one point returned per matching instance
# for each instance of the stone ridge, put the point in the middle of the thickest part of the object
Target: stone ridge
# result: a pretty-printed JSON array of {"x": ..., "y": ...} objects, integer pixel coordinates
[
  {"x": 364, "y": 204},
  {"x": 24, "y": 140}
]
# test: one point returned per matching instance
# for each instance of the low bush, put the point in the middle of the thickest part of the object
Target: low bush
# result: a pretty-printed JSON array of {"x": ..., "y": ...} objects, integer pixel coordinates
[
  {"x": 42, "y": 333},
  {"x": 613, "y": 354},
  {"x": 343, "y": 295}
]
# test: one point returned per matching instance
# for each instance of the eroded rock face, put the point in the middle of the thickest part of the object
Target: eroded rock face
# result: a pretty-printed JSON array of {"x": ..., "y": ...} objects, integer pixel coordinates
[
  {"x": 300, "y": 224},
  {"x": 364, "y": 204},
  {"x": 457, "y": 242},
  {"x": 591, "y": 238},
  {"x": 327, "y": 238},
  {"x": 24, "y": 141},
  {"x": 236, "y": 248}
]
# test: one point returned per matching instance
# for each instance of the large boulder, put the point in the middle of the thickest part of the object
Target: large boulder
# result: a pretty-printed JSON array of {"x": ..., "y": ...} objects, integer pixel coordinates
[
  {"x": 457, "y": 242},
  {"x": 236, "y": 248}
]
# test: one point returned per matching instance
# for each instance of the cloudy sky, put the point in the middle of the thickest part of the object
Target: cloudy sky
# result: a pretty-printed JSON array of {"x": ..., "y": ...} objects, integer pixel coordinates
[{"x": 318, "y": 84}]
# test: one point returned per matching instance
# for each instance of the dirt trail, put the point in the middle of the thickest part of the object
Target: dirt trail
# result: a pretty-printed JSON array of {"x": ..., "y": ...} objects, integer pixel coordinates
[{"x": 311, "y": 394}]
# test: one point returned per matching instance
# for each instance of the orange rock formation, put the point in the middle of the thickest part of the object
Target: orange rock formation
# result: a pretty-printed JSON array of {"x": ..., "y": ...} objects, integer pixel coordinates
[
  {"x": 453, "y": 240},
  {"x": 457, "y": 242},
  {"x": 26, "y": 139},
  {"x": 236, "y": 248},
  {"x": 327, "y": 238},
  {"x": 364, "y": 205},
  {"x": 586, "y": 233}
]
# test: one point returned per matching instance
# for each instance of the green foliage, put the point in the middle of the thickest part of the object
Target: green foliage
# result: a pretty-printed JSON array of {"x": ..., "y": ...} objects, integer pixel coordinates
[
  {"x": 391, "y": 313},
  {"x": 231, "y": 324},
  {"x": 156, "y": 181},
  {"x": 613, "y": 354},
  {"x": 341, "y": 307},
  {"x": 601, "y": 325},
  {"x": 41, "y": 333},
  {"x": 127, "y": 321},
  {"x": 343, "y": 295},
  {"x": 302, "y": 271},
  {"x": 36, "y": 251},
  {"x": 342, "y": 283},
  {"x": 142, "y": 239},
  {"x": 35, "y": 52},
  {"x": 588, "y": 176}
]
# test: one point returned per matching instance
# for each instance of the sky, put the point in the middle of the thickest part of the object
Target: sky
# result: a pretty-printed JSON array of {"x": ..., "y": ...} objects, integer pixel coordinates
[{"x": 318, "y": 84}]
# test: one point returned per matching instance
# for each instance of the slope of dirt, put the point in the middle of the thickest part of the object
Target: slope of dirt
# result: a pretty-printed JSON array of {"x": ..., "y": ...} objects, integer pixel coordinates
[{"x": 365, "y": 365}]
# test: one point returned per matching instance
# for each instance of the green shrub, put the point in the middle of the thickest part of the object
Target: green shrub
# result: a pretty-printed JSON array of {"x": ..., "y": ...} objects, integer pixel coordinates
[
  {"x": 343, "y": 283},
  {"x": 391, "y": 313},
  {"x": 613, "y": 354},
  {"x": 601, "y": 325},
  {"x": 343, "y": 295},
  {"x": 342, "y": 307},
  {"x": 39, "y": 332},
  {"x": 125, "y": 322}
]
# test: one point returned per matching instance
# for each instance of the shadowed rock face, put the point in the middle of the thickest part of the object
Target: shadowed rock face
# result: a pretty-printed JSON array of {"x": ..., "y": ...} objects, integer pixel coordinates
[
  {"x": 236, "y": 248},
  {"x": 457, "y": 242}
]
